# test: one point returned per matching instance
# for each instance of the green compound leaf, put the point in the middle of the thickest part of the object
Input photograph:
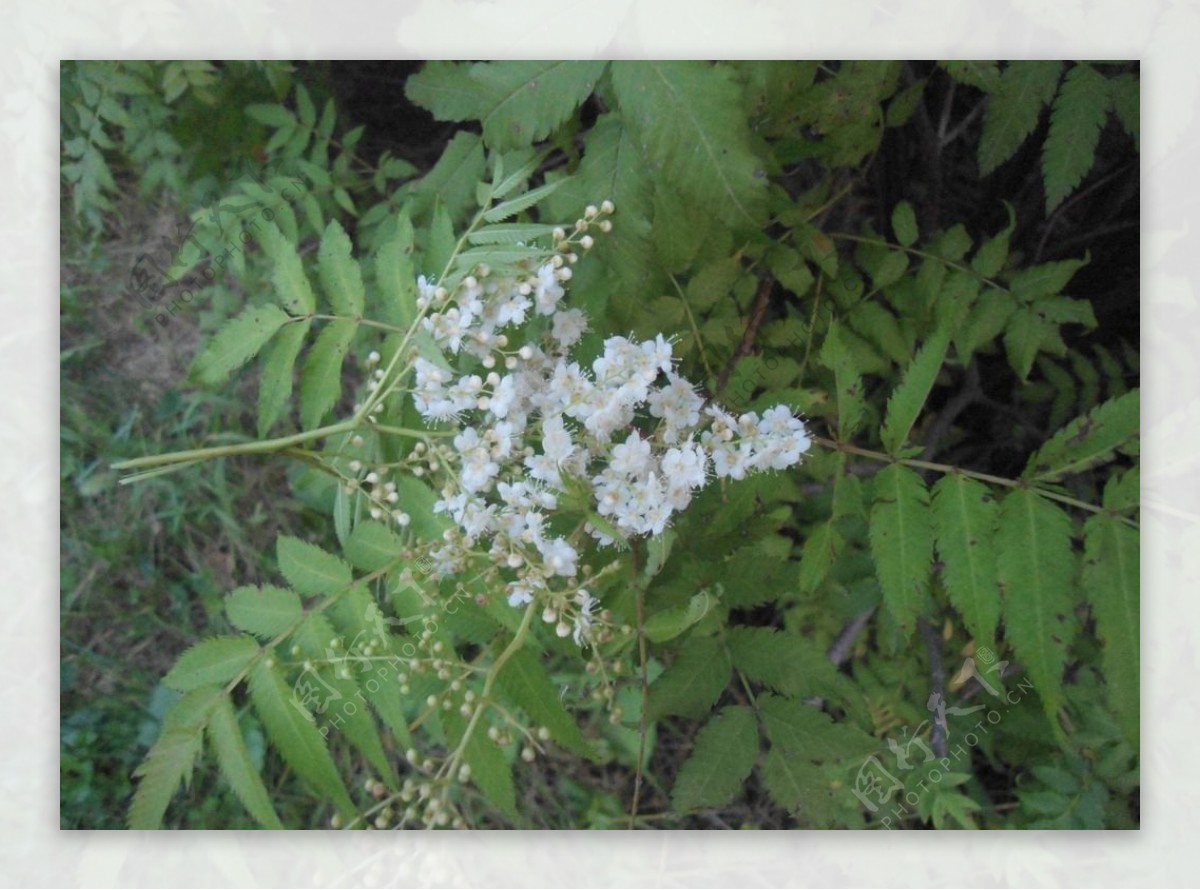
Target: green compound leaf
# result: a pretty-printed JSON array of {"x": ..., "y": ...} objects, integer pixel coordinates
[
  {"x": 172, "y": 758},
  {"x": 339, "y": 273},
  {"x": 237, "y": 342},
  {"x": 525, "y": 682},
  {"x": 1078, "y": 116},
  {"x": 901, "y": 538},
  {"x": 1036, "y": 567},
  {"x": 291, "y": 282},
  {"x": 693, "y": 682},
  {"x": 279, "y": 363},
  {"x": 1014, "y": 108},
  {"x": 1110, "y": 579},
  {"x": 263, "y": 611},
  {"x": 909, "y": 397},
  {"x": 964, "y": 522},
  {"x": 291, "y": 729},
  {"x": 725, "y": 751},
  {"x": 309, "y": 569},
  {"x": 690, "y": 119},
  {"x": 236, "y": 766},
  {"x": 321, "y": 380},
  {"x": 1088, "y": 440},
  {"x": 213, "y": 661}
]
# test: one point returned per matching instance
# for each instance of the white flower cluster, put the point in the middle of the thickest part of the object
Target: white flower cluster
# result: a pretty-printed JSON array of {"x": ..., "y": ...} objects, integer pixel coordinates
[{"x": 628, "y": 430}]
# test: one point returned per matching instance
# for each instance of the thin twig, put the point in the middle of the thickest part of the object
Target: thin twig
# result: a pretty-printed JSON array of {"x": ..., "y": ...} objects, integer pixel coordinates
[
  {"x": 747, "y": 344},
  {"x": 937, "y": 681}
]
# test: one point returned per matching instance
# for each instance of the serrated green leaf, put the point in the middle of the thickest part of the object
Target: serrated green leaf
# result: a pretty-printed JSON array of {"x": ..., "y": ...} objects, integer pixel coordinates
[
  {"x": 513, "y": 206},
  {"x": 510, "y": 233},
  {"x": 452, "y": 180},
  {"x": 395, "y": 276},
  {"x": 291, "y": 730},
  {"x": 1088, "y": 440},
  {"x": 690, "y": 119},
  {"x": 901, "y": 539},
  {"x": 909, "y": 397},
  {"x": 527, "y": 100},
  {"x": 372, "y": 545},
  {"x": 518, "y": 102},
  {"x": 524, "y": 681},
  {"x": 785, "y": 661},
  {"x": 490, "y": 771},
  {"x": 801, "y": 730},
  {"x": 983, "y": 75},
  {"x": 1013, "y": 109},
  {"x": 991, "y": 256},
  {"x": 358, "y": 616},
  {"x": 612, "y": 168},
  {"x": 237, "y": 767},
  {"x": 1036, "y": 568},
  {"x": 1045, "y": 280},
  {"x": 1111, "y": 580},
  {"x": 1078, "y": 115},
  {"x": 309, "y": 569},
  {"x": 338, "y": 692},
  {"x": 820, "y": 552},
  {"x": 279, "y": 362},
  {"x": 693, "y": 682},
  {"x": 237, "y": 342},
  {"x": 794, "y": 783},
  {"x": 291, "y": 281},
  {"x": 168, "y": 764},
  {"x": 339, "y": 272},
  {"x": 851, "y": 401},
  {"x": 321, "y": 379},
  {"x": 213, "y": 661},
  {"x": 722, "y": 758},
  {"x": 670, "y": 623},
  {"x": 964, "y": 522},
  {"x": 1125, "y": 90},
  {"x": 904, "y": 224},
  {"x": 417, "y": 500},
  {"x": 263, "y": 611}
]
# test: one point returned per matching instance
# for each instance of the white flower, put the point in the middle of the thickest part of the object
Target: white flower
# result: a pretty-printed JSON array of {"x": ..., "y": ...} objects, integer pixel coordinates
[
  {"x": 548, "y": 291},
  {"x": 568, "y": 327}
]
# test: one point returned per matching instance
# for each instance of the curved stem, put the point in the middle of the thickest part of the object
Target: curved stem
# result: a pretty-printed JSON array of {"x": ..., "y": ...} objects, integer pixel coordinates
[
  {"x": 256, "y": 447},
  {"x": 973, "y": 474}
]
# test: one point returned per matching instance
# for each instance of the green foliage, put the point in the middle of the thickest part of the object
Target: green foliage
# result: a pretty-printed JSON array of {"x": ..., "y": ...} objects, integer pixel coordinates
[
  {"x": 774, "y": 626},
  {"x": 1079, "y": 104}
]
